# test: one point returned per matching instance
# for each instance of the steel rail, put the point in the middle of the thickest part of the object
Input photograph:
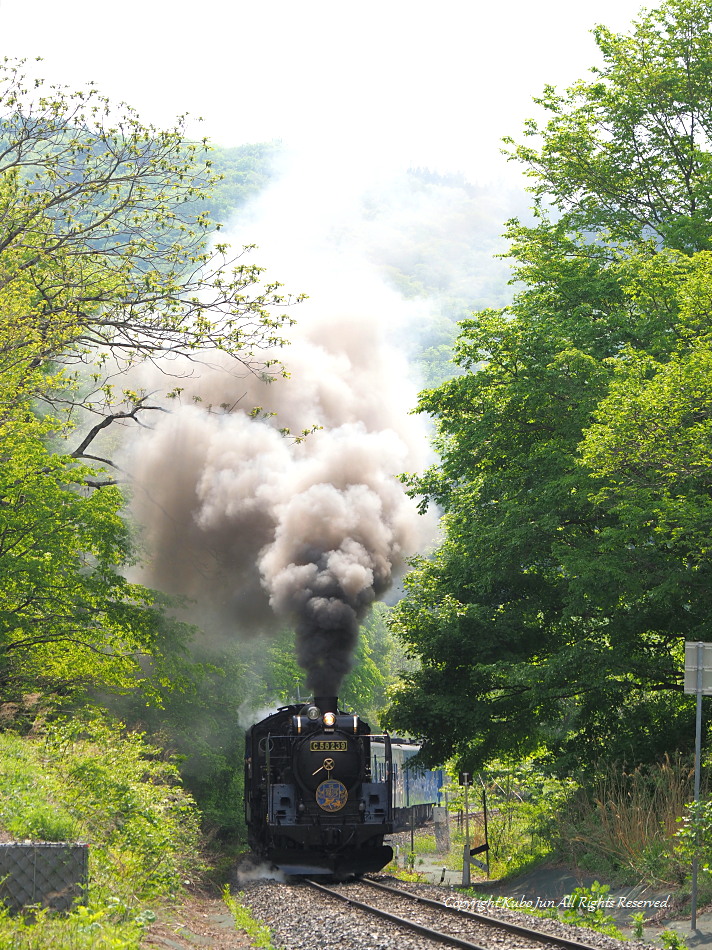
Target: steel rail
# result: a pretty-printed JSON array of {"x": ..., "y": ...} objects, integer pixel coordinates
[
  {"x": 400, "y": 921},
  {"x": 483, "y": 918}
]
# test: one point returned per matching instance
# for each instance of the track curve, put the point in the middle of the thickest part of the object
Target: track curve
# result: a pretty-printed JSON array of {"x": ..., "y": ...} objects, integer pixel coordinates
[{"x": 437, "y": 921}]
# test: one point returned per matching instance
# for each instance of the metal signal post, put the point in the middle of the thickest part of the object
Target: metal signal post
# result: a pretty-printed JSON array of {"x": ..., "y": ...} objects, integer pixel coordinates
[
  {"x": 466, "y": 780},
  {"x": 698, "y": 680}
]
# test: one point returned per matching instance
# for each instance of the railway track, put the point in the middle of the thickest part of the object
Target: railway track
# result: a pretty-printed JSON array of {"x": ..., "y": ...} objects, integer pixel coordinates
[{"x": 439, "y": 922}]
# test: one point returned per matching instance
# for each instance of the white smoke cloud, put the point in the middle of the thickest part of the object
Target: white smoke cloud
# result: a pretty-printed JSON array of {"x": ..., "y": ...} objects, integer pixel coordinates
[{"x": 257, "y": 527}]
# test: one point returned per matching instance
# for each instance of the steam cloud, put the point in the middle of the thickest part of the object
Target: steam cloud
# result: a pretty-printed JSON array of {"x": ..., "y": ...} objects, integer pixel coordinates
[{"x": 251, "y": 524}]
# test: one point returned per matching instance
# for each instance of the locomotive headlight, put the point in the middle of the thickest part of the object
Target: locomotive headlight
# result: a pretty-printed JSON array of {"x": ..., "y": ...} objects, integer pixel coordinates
[
  {"x": 329, "y": 719},
  {"x": 313, "y": 713}
]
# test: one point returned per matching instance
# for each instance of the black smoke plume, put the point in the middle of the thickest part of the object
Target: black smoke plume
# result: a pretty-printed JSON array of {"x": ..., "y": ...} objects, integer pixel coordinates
[{"x": 254, "y": 525}]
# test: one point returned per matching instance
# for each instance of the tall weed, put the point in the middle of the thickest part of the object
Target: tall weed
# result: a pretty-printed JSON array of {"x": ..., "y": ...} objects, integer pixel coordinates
[
  {"x": 624, "y": 827},
  {"x": 82, "y": 929}
]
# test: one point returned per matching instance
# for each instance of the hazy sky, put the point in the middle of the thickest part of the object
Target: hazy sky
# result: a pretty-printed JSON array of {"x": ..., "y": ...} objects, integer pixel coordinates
[{"x": 387, "y": 83}]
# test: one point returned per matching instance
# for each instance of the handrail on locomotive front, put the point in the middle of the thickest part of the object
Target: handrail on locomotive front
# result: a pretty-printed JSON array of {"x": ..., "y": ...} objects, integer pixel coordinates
[{"x": 268, "y": 749}]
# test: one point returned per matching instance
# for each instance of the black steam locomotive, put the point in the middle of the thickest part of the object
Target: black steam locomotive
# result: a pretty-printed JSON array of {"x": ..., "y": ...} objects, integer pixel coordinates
[{"x": 312, "y": 805}]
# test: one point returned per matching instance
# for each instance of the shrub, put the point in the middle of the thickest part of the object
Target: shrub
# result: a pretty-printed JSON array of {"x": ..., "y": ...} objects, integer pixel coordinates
[
  {"x": 127, "y": 798},
  {"x": 523, "y": 803},
  {"x": 584, "y": 908}
]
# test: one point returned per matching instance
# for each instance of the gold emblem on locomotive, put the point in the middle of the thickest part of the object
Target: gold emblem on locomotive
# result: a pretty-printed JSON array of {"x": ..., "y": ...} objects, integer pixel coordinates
[{"x": 331, "y": 795}]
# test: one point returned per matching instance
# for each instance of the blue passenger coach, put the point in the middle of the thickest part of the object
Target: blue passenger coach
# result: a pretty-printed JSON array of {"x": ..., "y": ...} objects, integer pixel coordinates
[{"x": 415, "y": 790}]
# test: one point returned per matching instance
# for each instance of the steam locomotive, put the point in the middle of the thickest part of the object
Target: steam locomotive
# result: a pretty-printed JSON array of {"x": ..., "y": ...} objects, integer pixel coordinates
[
  {"x": 322, "y": 792},
  {"x": 312, "y": 806}
]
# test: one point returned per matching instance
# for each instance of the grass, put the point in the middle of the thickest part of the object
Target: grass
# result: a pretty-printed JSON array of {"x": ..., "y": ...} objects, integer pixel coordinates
[
  {"x": 91, "y": 782},
  {"x": 513, "y": 849},
  {"x": 624, "y": 828},
  {"x": 260, "y": 935},
  {"x": 425, "y": 843},
  {"x": 82, "y": 929},
  {"x": 523, "y": 803},
  {"x": 30, "y": 795},
  {"x": 405, "y": 874}
]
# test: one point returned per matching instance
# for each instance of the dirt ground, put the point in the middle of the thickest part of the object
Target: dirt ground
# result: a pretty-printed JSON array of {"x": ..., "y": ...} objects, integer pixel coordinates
[{"x": 199, "y": 921}]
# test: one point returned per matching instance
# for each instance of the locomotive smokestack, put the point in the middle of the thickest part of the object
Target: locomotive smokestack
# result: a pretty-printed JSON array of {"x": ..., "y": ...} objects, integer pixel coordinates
[{"x": 327, "y": 703}]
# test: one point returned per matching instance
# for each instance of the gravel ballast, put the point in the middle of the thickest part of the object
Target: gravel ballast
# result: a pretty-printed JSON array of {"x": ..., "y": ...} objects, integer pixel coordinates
[{"x": 304, "y": 919}]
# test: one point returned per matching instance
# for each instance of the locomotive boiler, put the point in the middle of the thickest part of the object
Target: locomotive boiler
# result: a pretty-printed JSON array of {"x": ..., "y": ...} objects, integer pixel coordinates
[{"x": 312, "y": 805}]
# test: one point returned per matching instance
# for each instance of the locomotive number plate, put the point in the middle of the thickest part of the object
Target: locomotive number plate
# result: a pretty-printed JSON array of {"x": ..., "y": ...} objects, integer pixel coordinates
[{"x": 328, "y": 745}]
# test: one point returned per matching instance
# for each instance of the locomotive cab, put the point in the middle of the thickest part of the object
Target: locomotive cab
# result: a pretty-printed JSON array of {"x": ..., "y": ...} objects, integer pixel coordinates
[{"x": 311, "y": 804}]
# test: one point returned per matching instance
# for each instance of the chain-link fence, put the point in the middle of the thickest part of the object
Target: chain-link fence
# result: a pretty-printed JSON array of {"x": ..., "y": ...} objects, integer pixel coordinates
[{"x": 45, "y": 875}]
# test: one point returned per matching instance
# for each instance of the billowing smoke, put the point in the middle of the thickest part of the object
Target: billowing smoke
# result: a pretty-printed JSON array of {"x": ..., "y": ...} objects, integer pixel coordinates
[{"x": 256, "y": 526}]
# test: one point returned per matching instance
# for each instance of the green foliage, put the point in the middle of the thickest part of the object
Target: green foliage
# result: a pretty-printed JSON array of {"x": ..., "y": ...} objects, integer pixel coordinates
[
  {"x": 405, "y": 874},
  {"x": 672, "y": 940},
  {"x": 30, "y": 806},
  {"x": 524, "y": 804},
  {"x": 649, "y": 446},
  {"x": 69, "y": 620},
  {"x": 626, "y": 153},
  {"x": 112, "y": 790},
  {"x": 623, "y": 827},
  {"x": 88, "y": 780},
  {"x": 518, "y": 636},
  {"x": 424, "y": 844},
  {"x": 584, "y": 908},
  {"x": 82, "y": 929},
  {"x": 201, "y": 725},
  {"x": 106, "y": 216},
  {"x": 244, "y": 171},
  {"x": 694, "y": 834},
  {"x": 638, "y": 922},
  {"x": 574, "y": 472}
]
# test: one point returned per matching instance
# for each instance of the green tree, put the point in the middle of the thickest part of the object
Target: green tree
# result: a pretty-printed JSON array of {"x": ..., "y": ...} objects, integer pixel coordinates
[
  {"x": 104, "y": 261},
  {"x": 105, "y": 219},
  {"x": 650, "y": 448},
  {"x": 69, "y": 619},
  {"x": 627, "y": 152},
  {"x": 546, "y": 617},
  {"x": 244, "y": 171}
]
